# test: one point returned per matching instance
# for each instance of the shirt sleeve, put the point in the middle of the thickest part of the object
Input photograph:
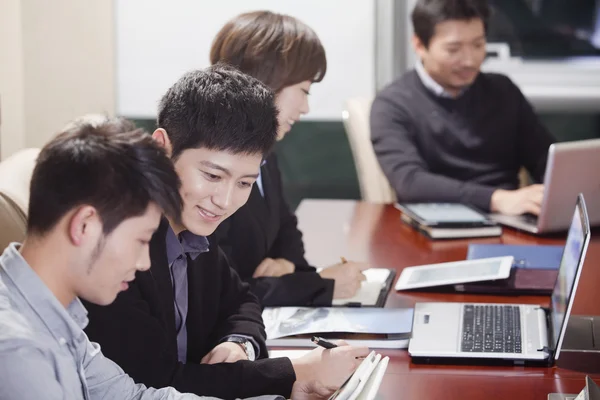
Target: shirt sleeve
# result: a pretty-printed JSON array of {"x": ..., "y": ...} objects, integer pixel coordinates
[
  {"x": 244, "y": 337},
  {"x": 106, "y": 380},
  {"x": 28, "y": 373}
]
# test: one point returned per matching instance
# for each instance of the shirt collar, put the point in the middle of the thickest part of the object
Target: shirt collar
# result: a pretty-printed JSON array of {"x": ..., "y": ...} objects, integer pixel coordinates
[
  {"x": 430, "y": 83},
  {"x": 186, "y": 243},
  {"x": 64, "y": 324}
]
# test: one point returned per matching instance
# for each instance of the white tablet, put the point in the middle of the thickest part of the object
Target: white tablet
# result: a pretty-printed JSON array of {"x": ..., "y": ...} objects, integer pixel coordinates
[
  {"x": 372, "y": 386},
  {"x": 362, "y": 373},
  {"x": 449, "y": 273}
]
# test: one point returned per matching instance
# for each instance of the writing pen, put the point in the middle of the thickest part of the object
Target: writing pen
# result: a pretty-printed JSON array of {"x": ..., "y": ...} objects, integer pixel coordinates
[{"x": 323, "y": 343}]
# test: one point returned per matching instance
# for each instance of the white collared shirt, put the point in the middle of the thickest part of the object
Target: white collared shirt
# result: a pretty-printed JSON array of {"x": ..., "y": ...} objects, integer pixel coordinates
[{"x": 431, "y": 84}]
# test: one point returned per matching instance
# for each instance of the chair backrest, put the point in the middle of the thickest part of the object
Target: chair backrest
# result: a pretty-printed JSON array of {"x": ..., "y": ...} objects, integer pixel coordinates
[
  {"x": 15, "y": 176},
  {"x": 374, "y": 186}
]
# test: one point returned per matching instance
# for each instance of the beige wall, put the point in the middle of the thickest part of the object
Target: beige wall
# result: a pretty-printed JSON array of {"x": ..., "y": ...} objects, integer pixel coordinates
[
  {"x": 12, "y": 129},
  {"x": 66, "y": 67}
]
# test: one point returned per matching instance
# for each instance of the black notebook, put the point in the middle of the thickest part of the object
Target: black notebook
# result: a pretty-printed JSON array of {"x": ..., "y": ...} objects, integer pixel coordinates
[{"x": 448, "y": 220}]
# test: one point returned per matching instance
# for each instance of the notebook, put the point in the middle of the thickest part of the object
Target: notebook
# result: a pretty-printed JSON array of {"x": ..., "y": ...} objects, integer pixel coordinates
[
  {"x": 525, "y": 256},
  {"x": 448, "y": 220},
  {"x": 372, "y": 327},
  {"x": 373, "y": 292}
]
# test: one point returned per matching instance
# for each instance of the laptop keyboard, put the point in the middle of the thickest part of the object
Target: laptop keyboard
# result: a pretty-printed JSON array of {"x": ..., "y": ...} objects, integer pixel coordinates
[{"x": 491, "y": 329}]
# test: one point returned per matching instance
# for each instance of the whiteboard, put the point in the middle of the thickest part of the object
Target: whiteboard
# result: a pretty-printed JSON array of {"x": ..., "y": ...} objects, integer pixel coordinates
[{"x": 159, "y": 40}]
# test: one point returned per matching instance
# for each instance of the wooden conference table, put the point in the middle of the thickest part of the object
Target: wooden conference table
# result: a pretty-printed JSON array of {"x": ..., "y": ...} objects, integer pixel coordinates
[{"x": 374, "y": 233}]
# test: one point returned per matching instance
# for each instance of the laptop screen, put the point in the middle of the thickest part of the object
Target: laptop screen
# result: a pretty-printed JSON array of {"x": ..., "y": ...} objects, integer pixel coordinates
[{"x": 569, "y": 271}]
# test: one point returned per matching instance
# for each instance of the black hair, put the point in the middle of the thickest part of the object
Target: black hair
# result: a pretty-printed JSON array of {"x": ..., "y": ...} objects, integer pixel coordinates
[
  {"x": 112, "y": 166},
  {"x": 219, "y": 108},
  {"x": 428, "y": 13}
]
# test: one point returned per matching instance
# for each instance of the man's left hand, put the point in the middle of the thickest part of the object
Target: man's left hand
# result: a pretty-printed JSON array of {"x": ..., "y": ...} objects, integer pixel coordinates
[
  {"x": 226, "y": 352},
  {"x": 274, "y": 267}
]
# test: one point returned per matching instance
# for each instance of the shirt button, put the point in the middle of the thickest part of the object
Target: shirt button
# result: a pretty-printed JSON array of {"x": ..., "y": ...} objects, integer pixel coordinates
[{"x": 62, "y": 341}]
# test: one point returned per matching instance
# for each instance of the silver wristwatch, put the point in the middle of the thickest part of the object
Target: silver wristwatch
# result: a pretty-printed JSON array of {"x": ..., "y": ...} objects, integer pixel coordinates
[{"x": 246, "y": 345}]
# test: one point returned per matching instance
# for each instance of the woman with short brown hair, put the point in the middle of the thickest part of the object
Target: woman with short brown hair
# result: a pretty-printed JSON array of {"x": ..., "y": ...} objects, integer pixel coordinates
[{"x": 262, "y": 239}]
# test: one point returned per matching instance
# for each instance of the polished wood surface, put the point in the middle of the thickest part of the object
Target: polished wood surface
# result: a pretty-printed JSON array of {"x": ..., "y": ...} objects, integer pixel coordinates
[{"x": 374, "y": 233}]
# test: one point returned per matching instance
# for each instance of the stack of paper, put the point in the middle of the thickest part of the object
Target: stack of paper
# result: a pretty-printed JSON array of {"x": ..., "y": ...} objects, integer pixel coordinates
[{"x": 373, "y": 327}]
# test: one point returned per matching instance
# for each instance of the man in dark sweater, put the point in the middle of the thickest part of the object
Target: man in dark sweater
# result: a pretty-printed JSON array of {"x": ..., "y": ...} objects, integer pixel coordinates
[
  {"x": 446, "y": 132},
  {"x": 189, "y": 321}
]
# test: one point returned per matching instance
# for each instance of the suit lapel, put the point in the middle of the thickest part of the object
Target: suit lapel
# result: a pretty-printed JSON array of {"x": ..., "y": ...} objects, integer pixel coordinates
[
  {"x": 270, "y": 189},
  {"x": 159, "y": 269}
]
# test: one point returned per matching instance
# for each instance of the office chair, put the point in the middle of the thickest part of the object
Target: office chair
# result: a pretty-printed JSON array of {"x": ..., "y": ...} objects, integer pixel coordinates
[
  {"x": 15, "y": 176},
  {"x": 374, "y": 186}
]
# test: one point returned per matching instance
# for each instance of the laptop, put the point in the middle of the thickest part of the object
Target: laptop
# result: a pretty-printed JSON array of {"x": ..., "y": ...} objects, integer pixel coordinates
[
  {"x": 572, "y": 168},
  {"x": 501, "y": 332}
]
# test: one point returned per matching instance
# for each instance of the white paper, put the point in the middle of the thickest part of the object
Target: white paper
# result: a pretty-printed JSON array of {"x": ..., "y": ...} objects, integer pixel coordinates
[
  {"x": 287, "y": 321},
  {"x": 291, "y": 354}
]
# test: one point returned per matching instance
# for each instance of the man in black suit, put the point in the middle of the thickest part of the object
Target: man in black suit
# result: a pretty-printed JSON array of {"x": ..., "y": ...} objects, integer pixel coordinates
[{"x": 189, "y": 322}]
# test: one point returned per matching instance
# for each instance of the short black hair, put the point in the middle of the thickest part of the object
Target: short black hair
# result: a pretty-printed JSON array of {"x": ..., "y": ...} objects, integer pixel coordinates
[
  {"x": 428, "y": 13},
  {"x": 111, "y": 166},
  {"x": 219, "y": 108}
]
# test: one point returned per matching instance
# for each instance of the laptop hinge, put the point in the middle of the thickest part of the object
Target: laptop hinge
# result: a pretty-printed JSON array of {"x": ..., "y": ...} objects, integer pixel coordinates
[{"x": 550, "y": 347}]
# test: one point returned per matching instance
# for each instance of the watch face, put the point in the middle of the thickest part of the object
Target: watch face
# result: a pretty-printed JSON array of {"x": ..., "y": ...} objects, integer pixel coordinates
[
  {"x": 249, "y": 351},
  {"x": 246, "y": 344}
]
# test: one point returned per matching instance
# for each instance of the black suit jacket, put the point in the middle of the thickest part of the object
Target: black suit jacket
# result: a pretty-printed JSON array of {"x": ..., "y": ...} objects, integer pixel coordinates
[
  {"x": 138, "y": 332},
  {"x": 266, "y": 227}
]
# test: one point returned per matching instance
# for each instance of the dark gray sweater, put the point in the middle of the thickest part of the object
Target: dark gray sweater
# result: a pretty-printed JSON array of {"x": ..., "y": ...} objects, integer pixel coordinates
[{"x": 456, "y": 150}]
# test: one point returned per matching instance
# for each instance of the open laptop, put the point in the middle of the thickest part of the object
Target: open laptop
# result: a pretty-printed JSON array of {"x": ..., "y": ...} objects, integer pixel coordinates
[
  {"x": 515, "y": 332},
  {"x": 572, "y": 168}
]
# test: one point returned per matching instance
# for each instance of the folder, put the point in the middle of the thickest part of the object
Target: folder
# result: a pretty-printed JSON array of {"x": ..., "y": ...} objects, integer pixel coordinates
[
  {"x": 526, "y": 256},
  {"x": 534, "y": 271}
]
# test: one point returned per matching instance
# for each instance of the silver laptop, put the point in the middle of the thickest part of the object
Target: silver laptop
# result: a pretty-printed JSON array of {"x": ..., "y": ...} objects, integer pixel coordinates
[
  {"x": 572, "y": 168},
  {"x": 516, "y": 332}
]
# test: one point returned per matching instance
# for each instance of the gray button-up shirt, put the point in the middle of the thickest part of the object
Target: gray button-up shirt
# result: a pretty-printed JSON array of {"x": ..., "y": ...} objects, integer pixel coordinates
[
  {"x": 44, "y": 352},
  {"x": 179, "y": 248}
]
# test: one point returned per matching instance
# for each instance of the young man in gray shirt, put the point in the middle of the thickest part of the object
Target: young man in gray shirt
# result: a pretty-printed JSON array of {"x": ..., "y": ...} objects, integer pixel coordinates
[{"x": 97, "y": 195}]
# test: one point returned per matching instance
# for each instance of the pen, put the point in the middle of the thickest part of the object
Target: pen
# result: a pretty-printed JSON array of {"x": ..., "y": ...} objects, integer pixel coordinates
[
  {"x": 344, "y": 261},
  {"x": 323, "y": 343}
]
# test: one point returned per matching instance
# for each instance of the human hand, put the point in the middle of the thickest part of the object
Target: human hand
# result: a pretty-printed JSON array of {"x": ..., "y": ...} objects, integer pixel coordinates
[
  {"x": 347, "y": 276},
  {"x": 226, "y": 352},
  {"x": 274, "y": 267},
  {"x": 310, "y": 391},
  {"x": 330, "y": 367},
  {"x": 517, "y": 202}
]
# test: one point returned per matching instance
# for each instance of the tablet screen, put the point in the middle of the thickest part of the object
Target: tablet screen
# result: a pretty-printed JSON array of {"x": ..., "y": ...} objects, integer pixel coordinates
[
  {"x": 455, "y": 272},
  {"x": 445, "y": 212}
]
